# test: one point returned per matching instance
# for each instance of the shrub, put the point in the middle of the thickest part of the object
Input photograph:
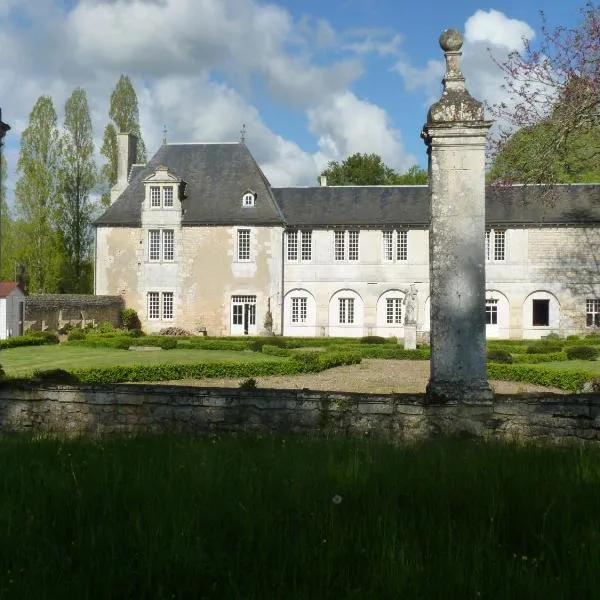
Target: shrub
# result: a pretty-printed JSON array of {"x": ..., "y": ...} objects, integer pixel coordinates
[
  {"x": 538, "y": 375},
  {"x": 168, "y": 344},
  {"x": 275, "y": 350},
  {"x": 76, "y": 334},
  {"x": 105, "y": 328},
  {"x": 256, "y": 344},
  {"x": 582, "y": 352},
  {"x": 130, "y": 319},
  {"x": 500, "y": 356},
  {"x": 372, "y": 339},
  {"x": 57, "y": 376},
  {"x": 551, "y": 336},
  {"x": 544, "y": 347},
  {"x": 248, "y": 384},
  {"x": 573, "y": 338},
  {"x": 28, "y": 340},
  {"x": 532, "y": 359},
  {"x": 49, "y": 336}
]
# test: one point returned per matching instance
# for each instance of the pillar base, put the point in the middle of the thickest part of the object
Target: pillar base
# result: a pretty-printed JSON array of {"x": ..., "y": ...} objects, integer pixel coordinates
[
  {"x": 410, "y": 336},
  {"x": 452, "y": 392}
]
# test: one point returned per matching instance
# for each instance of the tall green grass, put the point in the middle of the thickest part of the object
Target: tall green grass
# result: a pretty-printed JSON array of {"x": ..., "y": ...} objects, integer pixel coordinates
[{"x": 247, "y": 518}]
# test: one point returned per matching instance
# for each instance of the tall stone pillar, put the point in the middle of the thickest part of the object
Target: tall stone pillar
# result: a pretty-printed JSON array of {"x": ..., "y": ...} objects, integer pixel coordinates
[{"x": 455, "y": 134}]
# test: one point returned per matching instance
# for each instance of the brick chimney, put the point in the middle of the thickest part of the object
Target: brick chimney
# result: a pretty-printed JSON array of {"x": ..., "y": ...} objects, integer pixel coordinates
[{"x": 126, "y": 155}]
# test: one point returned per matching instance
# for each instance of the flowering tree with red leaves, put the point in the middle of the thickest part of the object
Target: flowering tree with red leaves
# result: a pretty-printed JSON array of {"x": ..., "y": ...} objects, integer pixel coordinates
[{"x": 549, "y": 127}]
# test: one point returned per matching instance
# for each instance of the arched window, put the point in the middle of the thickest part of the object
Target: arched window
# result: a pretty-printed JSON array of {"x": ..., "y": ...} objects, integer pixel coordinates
[{"x": 248, "y": 198}]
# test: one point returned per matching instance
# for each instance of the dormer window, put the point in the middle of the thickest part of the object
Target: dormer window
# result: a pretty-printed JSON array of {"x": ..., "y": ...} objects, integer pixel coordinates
[
  {"x": 248, "y": 198},
  {"x": 161, "y": 189},
  {"x": 155, "y": 196},
  {"x": 168, "y": 196}
]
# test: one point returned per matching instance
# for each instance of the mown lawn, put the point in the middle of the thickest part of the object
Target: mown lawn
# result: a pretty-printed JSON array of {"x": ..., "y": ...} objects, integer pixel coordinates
[
  {"x": 23, "y": 361},
  {"x": 593, "y": 366},
  {"x": 237, "y": 518}
]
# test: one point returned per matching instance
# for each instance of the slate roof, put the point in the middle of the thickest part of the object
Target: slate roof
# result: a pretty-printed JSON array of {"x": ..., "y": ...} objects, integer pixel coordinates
[
  {"x": 377, "y": 206},
  {"x": 216, "y": 177}
]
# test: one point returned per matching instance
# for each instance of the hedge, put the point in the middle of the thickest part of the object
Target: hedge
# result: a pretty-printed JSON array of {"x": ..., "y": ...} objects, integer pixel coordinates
[
  {"x": 564, "y": 380},
  {"x": 384, "y": 351},
  {"x": 28, "y": 340},
  {"x": 167, "y": 372},
  {"x": 275, "y": 350},
  {"x": 532, "y": 359}
]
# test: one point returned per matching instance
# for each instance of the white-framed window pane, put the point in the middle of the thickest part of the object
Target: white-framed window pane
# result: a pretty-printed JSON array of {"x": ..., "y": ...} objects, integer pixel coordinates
[
  {"x": 488, "y": 235},
  {"x": 248, "y": 199},
  {"x": 350, "y": 315},
  {"x": 252, "y": 314},
  {"x": 154, "y": 244},
  {"x": 393, "y": 311},
  {"x": 342, "y": 310},
  {"x": 167, "y": 298},
  {"x": 243, "y": 239},
  {"x": 303, "y": 310},
  {"x": 499, "y": 244},
  {"x": 402, "y": 245},
  {"x": 299, "y": 310},
  {"x": 340, "y": 249},
  {"x": 238, "y": 314},
  {"x": 155, "y": 196},
  {"x": 346, "y": 310},
  {"x": 168, "y": 195},
  {"x": 153, "y": 305},
  {"x": 353, "y": 245},
  {"x": 491, "y": 312},
  {"x": 292, "y": 245},
  {"x": 592, "y": 309},
  {"x": 306, "y": 245},
  {"x": 168, "y": 244},
  {"x": 388, "y": 244}
]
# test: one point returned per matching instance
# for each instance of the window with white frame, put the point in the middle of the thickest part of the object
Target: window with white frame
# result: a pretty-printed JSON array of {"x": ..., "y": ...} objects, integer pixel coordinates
[
  {"x": 395, "y": 245},
  {"x": 297, "y": 238},
  {"x": 393, "y": 311},
  {"x": 160, "y": 305},
  {"x": 168, "y": 196},
  {"x": 495, "y": 245},
  {"x": 161, "y": 242},
  {"x": 592, "y": 312},
  {"x": 346, "y": 245},
  {"x": 243, "y": 244},
  {"x": 299, "y": 310},
  {"x": 292, "y": 245},
  {"x": 153, "y": 305},
  {"x": 155, "y": 196},
  {"x": 167, "y": 305},
  {"x": 346, "y": 311},
  {"x": 306, "y": 246},
  {"x": 248, "y": 199},
  {"x": 491, "y": 311}
]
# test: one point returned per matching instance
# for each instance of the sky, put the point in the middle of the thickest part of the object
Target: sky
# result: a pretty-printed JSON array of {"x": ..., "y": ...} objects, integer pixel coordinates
[{"x": 312, "y": 80}]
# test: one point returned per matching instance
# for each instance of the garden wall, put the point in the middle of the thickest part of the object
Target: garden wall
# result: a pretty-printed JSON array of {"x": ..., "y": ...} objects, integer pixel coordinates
[
  {"x": 54, "y": 311},
  {"x": 138, "y": 408}
]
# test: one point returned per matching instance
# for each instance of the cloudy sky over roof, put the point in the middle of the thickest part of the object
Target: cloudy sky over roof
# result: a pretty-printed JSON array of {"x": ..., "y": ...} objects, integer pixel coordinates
[{"x": 313, "y": 80}]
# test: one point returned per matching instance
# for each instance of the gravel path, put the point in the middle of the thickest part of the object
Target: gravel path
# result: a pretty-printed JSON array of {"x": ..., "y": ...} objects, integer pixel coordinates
[{"x": 373, "y": 376}]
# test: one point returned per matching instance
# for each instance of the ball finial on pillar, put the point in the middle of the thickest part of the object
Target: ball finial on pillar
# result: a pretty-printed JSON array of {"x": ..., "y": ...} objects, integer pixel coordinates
[{"x": 451, "y": 40}]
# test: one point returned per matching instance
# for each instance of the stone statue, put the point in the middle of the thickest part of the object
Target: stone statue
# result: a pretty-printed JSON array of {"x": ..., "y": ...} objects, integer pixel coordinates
[{"x": 410, "y": 305}]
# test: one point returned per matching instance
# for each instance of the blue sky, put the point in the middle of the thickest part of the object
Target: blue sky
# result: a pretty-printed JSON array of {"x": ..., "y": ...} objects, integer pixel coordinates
[{"x": 314, "y": 80}]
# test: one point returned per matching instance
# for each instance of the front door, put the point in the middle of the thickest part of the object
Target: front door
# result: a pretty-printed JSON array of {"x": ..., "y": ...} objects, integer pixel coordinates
[{"x": 243, "y": 315}]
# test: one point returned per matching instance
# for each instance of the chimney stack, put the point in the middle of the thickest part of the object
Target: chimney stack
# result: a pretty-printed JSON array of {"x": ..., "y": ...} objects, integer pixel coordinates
[
  {"x": 323, "y": 181},
  {"x": 126, "y": 156}
]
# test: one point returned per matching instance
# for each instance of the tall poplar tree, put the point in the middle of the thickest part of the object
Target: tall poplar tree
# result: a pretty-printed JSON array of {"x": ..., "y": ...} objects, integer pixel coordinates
[
  {"x": 6, "y": 230},
  {"x": 124, "y": 118},
  {"x": 36, "y": 197},
  {"x": 77, "y": 178}
]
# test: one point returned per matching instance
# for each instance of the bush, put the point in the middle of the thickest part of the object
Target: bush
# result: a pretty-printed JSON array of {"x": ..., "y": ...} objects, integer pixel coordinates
[
  {"x": 500, "y": 356},
  {"x": 565, "y": 380},
  {"x": 372, "y": 339},
  {"x": 168, "y": 344},
  {"x": 76, "y": 334},
  {"x": 532, "y": 359},
  {"x": 130, "y": 319},
  {"x": 28, "y": 340},
  {"x": 57, "y": 376},
  {"x": 544, "y": 347},
  {"x": 275, "y": 350},
  {"x": 573, "y": 338},
  {"x": 551, "y": 336},
  {"x": 248, "y": 384},
  {"x": 582, "y": 352},
  {"x": 49, "y": 336},
  {"x": 105, "y": 328}
]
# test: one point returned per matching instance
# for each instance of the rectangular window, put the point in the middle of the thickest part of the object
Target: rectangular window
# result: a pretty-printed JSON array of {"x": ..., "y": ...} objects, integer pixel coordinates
[
  {"x": 388, "y": 245},
  {"x": 353, "y": 245},
  {"x": 168, "y": 196},
  {"x": 168, "y": 244},
  {"x": 491, "y": 312},
  {"x": 167, "y": 303},
  {"x": 541, "y": 313},
  {"x": 154, "y": 244},
  {"x": 238, "y": 314},
  {"x": 306, "y": 245},
  {"x": 243, "y": 240},
  {"x": 340, "y": 245},
  {"x": 346, "y": 310},
  {"x": 498, "y": 244},
  {"x": 402, "y": 245},
  {"x": 153, "y": 305},
  {"x": 292, "y": 245},
  {"x": 155, "y": 196},
  {"x": 393, "y": 311},
  {"x": 299, "y": 310},
  {"x": 592, "y": 309}
]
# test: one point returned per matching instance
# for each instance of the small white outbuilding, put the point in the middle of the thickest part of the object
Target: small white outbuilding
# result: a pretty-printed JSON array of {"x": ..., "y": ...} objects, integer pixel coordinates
[{"x": 12, "y": 309}]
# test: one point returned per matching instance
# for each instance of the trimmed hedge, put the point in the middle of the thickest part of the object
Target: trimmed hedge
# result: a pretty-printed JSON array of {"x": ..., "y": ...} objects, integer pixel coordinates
[
  {"x": 500, "y": 356},
  {"x": 545, "y": 347},
  {"x": 386, "y": 352},
  {"x": 582, "y": 352},
  {"x": 29, "y": 340},
  {"x": 372, "y": 339},
  {"x": 564, "y": 380},
  {"x": 532, "y": 359},
  {"x": 275, "y": 350}
]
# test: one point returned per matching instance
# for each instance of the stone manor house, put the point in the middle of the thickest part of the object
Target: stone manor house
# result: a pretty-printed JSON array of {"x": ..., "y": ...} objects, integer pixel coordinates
[{"x": 199, "y": 239}]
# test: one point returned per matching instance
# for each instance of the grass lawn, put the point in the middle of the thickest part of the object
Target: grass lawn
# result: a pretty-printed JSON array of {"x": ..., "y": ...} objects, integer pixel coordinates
[
  {"x": 255, "y": 519},
  {"x": 593, "y": 366},
  {"x": 23, "y": 361}
]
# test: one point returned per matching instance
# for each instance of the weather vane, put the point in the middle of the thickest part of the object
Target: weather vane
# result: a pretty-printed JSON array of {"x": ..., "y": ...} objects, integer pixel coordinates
[
  {"x": 243, "y": 132},
  {"x": 164, "y": 135}
]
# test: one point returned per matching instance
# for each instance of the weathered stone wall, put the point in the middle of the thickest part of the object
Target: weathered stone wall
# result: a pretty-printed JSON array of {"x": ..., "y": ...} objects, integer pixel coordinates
[
  {"x": 54, "y": 311},
  {"x": 129, "y": 409}
]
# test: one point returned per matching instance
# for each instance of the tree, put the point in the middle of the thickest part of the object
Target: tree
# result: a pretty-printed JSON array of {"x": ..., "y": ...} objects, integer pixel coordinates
[
  {"x": 77, "y": 178},
  {"x": 359, "y": 169},
  {"x": 36, "y": 196},
  {"x": 125, "y": 117},
  {"x": 414, "y": 176},
  {"x": 554, "y": 106}
]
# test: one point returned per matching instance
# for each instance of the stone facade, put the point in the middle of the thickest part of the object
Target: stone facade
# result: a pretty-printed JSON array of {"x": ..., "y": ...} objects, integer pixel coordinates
[{"x": 141, "y": 409}]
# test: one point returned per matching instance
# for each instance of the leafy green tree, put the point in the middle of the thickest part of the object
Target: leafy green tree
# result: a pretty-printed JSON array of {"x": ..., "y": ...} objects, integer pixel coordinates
[
  {"x": 414, "y": 176},
  {"x": 37, "y": 196},
  {"x": 359, "y": 169},
  {"x": 77, "y": 178},
  {"x": 125, "y": 118}
]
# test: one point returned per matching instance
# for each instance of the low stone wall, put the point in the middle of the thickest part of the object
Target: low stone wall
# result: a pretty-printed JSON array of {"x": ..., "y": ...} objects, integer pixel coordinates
[
  {"x": 54, "y": 311},
  {"x": 134, "y": 409}
]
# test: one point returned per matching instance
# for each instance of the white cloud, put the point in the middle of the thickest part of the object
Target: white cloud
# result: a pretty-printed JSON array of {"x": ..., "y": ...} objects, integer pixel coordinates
[{"x": 496, "y": 29}]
